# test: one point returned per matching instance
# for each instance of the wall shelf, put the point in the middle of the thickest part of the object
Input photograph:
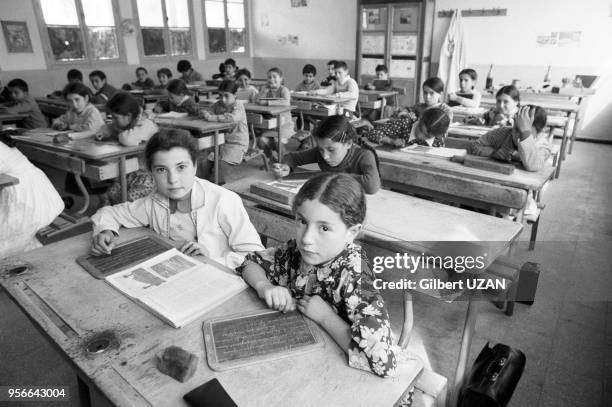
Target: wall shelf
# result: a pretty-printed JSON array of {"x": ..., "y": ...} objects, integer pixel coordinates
[{"x": 488, "y": 12}]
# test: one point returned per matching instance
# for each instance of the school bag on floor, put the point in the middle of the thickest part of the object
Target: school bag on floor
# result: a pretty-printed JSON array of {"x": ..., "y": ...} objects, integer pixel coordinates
[{"x": 493, "y": 378}]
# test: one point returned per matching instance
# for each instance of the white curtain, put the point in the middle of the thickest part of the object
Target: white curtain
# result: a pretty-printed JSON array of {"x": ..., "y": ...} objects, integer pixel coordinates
[{"x": 453, "y": 54}]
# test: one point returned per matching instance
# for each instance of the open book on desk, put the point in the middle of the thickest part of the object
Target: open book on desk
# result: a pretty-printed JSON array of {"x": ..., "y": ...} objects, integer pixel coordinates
[
  {"x": 437, "y": 152},
  {"x": 175, "y": 287}
]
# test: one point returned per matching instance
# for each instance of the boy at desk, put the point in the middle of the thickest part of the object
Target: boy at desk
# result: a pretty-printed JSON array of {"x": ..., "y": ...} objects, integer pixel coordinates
[
  {"x": 522, "y": 142},
  {"x": 343, "y": 86},
  {"x": 22, "y": 102},
  {"x": 188, "y": 74},
  {"x": 382, "y": 81},
  {"x": 203, "y": 218},
  {"x": 309, "y": 83}
]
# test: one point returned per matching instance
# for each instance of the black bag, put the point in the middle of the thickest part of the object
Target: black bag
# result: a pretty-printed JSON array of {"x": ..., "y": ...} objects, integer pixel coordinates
[{"x": 493, "y": 378}]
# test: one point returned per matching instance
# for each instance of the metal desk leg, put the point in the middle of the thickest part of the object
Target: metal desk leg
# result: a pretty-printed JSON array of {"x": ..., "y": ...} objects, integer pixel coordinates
[
  {"x": 123, "y": 178},
  {"x": 574, "y": 131},
  {"x": 216, "y": 162},
  {"x": 280, "y": 141},
  {"x": 85, "y": 193},
  {"x": 464, "y": 353}
]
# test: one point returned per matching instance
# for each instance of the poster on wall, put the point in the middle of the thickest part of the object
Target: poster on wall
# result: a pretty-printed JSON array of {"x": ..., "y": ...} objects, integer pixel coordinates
[
  {"x": 404, "y": 44},
  {"x": 16, "y": 36},
  {"x": 368, "y": 65},
  {"x": 373, "y": 44},
  {"x": 559, "y": 39},
  {"x": 299, "y": 3},
  {"x": 402, "y": 68}
]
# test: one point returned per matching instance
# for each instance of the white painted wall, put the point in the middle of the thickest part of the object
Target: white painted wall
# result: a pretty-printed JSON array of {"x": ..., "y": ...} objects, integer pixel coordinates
[
  {"x": 511, "y": 39},
  {"x": 20, "y": 10},
  {"x": 326, "y": 29}
]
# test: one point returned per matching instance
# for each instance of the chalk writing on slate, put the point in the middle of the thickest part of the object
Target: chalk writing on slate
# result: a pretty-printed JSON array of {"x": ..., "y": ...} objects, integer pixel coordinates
[
  {"x": 123, "y": 256},
  {"x": 257, "y": 336}
]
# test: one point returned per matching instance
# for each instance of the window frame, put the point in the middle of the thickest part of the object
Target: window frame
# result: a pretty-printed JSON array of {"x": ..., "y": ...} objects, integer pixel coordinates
[
  {"x": 159, "y": 58},
  {"x": 88, "y": 61},
  {"x": 228, "y": 54}
]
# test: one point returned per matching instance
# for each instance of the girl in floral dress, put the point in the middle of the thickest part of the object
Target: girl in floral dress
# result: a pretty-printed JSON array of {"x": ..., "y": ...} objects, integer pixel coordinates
[{"x": 324, "y": 275}]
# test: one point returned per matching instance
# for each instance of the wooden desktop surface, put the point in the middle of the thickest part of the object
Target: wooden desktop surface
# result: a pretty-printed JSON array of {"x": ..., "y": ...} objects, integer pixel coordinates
[
  {"x": 520, "y": 178},
  {"x": 564, "y": 105},
  {"x": 12, "y": 117},
  {"x": 379, "y": 93},
  {"x": 88, "y": 148},
  {"x": 194, "y": 123},
  {"x": 320, "y": 98},
  {"x": 71, "y": 307},
  {"x": 416, "y": 223},
  {"x": 273, "y": 110}
]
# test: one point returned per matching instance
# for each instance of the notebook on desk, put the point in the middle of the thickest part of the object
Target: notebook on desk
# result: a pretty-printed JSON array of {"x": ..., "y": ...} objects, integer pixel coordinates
[
  {"x": 175, "y": 287},
  {"x": 254, "y": 337}
]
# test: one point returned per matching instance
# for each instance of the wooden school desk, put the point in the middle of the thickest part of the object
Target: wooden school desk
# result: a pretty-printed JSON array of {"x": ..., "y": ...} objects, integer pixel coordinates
[
  {"x": 377, "y": 99},
  {"x": 202, "y": 129},
  {"x": 307, "y": 104},
  {"x": 148, "y": 97},
  {"x": 11, "y": 118},
  {"x": 71, "y": 308},
  {"x": 85, "y": 157},
  {"x": 7, "y": 181},
  {"x": 205, "y": 90},
  {"x": 396, "y": 165},
  {"x": 415, "y": 226}
]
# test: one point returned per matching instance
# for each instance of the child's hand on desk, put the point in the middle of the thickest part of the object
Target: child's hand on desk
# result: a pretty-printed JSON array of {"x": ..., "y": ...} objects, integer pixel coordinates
[
  {"x": 314, "y": 307},
  {"x": 191, "y": 249},
  {"x": 59, "y": 126},
  {"x": 276, "y": 297},
  {"x": 103, "y": 243},
  {"x": 206, "y": 115},
  {"x": 452, "y": 97},
  {"x": 280, "y": 170}
]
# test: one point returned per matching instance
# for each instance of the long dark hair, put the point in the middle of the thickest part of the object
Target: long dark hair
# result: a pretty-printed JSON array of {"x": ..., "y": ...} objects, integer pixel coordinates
[
  {"x": 338, "y": 128},
  {"x": 341, "y": 193},
  {"x": 511, "y": 91}
]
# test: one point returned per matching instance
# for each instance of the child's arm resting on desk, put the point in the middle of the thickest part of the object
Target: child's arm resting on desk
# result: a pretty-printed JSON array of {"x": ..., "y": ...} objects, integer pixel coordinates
[
  {"x": 368, "y": 175},
  {"x": 129, "y": 214},
  {"x": 266, "y": 272},
  {"x": 297, "y": 158},
  {"x": 533, "y": 152}
]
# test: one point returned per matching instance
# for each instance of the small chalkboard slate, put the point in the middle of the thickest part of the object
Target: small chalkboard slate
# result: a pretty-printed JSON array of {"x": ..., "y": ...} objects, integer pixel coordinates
[
  {"x": 123, "y": 256},
  {"x": 244, "y": 339}
]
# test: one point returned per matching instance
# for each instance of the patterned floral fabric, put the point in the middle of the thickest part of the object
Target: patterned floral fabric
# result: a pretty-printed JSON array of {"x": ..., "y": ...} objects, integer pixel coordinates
[
  {"x": 396, "y": 132},
  {"x": 139, "y": 185},
  {"x": 346, "y": 284}
]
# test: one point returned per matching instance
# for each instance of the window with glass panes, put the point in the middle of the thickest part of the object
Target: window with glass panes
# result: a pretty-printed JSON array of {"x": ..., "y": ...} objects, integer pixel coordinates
[
  {"x": 80, "y": 30},
  {"x": 225, "y": 25},
  {"x": 165, "y": 27}
]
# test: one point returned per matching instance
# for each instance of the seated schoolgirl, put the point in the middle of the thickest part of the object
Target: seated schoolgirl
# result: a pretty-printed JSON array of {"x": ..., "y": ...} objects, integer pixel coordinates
[
  {"x": 201, "y": 217},
  {"x": 431, "y": 129},
  {"x": 227, "y": 109},
  {"x": 26, "y": 207},
  {"x": 179, "y": 100},
  {"x": 523, "y": 142},
  {"x": 130, "y": 127},
  {"x": 82, "y": 115},
  {"x": 339, "y": 149},
  {"x": 508, "y": 100},
  {"x": 467, "y": 95},
  {"x": 246, "y": 91},
  {"x": 324, "y": 274},
  {"x": 275, "y": 89},
  {"x": 397, "y": 131}
]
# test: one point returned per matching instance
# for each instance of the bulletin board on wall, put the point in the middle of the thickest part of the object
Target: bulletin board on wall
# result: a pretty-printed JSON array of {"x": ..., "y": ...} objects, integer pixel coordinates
[{"x": 390, "y": 33}]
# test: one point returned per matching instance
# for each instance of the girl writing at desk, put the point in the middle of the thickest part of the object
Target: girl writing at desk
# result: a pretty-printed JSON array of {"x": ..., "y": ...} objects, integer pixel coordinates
[
  {"x": 339, "y": 149},
  {"x": 322, "y": 273},
  {"x": 203, "y": 218}
]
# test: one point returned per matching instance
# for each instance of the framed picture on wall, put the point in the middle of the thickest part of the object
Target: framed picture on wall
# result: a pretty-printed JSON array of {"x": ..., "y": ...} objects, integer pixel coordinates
[{"x": 16, "y": 36}]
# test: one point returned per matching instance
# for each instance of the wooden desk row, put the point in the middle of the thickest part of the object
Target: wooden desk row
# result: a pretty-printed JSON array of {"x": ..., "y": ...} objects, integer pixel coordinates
[{"x": 73, "y": 310}]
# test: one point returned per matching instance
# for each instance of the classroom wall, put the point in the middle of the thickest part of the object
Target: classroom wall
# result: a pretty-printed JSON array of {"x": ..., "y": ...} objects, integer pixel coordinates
[
  {"x": 43, "y": 79},
  {"x": 324, "y": 29},
  {"x": 509, "y": 43}
]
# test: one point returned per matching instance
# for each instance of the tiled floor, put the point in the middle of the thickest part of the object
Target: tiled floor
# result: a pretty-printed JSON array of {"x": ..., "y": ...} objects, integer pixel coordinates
[{"x": 566, "y": 334}]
